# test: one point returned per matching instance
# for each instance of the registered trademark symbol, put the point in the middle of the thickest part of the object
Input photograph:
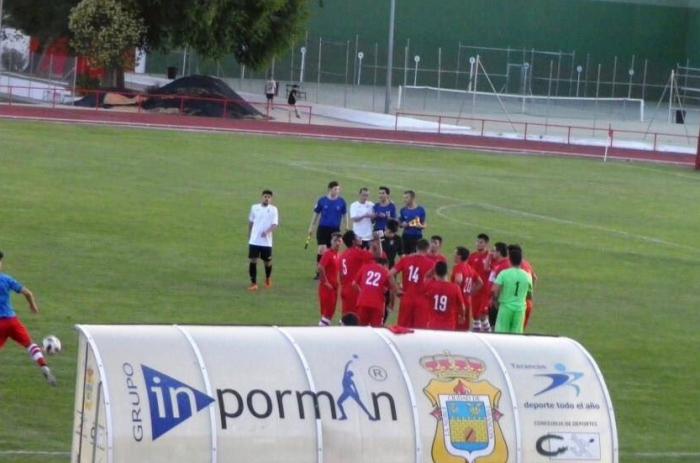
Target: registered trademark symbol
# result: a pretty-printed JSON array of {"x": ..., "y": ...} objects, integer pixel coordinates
[{"x": 377, "y": 373}]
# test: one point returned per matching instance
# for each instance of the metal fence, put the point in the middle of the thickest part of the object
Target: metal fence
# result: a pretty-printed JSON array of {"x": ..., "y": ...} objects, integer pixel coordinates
[{"x": 354, "y": 61}]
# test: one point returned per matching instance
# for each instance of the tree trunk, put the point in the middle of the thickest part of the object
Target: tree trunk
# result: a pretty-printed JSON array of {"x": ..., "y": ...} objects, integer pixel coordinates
[{"x": 114, "y": 78}]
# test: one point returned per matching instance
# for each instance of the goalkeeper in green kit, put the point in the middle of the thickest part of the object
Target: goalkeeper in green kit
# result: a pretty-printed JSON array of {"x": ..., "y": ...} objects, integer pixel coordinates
[{"x": 511, "y": 290}]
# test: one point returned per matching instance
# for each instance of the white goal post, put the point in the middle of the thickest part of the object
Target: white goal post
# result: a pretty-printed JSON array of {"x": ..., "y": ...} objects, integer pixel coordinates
[{"x": 454, "y": 102}]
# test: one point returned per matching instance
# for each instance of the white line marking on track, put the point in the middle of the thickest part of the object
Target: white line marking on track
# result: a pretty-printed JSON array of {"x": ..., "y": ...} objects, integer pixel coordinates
[{"x": 34, "y": 452}]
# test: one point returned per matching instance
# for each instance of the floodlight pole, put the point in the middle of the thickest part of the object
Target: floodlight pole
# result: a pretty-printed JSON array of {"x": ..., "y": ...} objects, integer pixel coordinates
[{"x": 390, "y": 58}]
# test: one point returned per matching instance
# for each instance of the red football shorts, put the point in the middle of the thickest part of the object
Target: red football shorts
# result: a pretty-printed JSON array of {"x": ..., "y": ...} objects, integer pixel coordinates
[
  {"x": 408, "y": 308},
  {"x": 14, "y": 329},
  {"x": 327, "y": 299},
  {"x": 348, "y": 297},
  {"x": 371, "y": 316},
  {"x": 480, "y": 304}
]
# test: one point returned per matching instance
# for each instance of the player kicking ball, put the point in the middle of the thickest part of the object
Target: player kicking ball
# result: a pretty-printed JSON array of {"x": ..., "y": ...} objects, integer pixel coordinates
[{"x": 12, "y": 327}]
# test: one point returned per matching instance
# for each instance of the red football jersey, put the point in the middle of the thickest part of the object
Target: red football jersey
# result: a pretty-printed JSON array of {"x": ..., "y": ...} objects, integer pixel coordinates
[
  {"x": 498, "y": 268},
  {"x": 480, "y": 262},
  {"x": 373, "y": 280},
  {"x": 350, "y": 263},
  {"x": 445, "y": 302},
  {"x": 413, "y": 269},
  {"x": 330, "y": 263},
  {"x": 527, "y": 266},
  {"x": 469, "y": 279},
  {"x": 437, "y": 258}
]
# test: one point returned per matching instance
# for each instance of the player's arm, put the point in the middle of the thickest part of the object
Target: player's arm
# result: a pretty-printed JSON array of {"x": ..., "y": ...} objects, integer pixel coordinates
[
  {"x": 322, "y": 273},
  {"x": 423, "y": 220},
  {"x": 314, "y": 222},
  {"x": 272, "y": 227},
  {"x": 463, "y": 315},
  {"x": 394, "y": 291},
  {"x": 495, "y": 291},
  {"x": 477, "y": 285},
  {"x": 355, "y": 215},
  {"x": 31, "y": 300}
]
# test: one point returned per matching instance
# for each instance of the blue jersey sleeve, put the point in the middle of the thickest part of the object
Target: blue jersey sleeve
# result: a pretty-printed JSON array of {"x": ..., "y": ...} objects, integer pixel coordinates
[
  {"x": 13, "y": 285},
  {"x": 343, "y": 207},
  {"x": 319, "y": 206},
  {"x": 392, "y": 211},
  {"x": 421, "y": 214},
  {"x": 402, "y": 217}
]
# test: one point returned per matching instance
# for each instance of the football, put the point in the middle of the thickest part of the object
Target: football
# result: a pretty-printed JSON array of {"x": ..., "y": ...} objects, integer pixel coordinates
[{"x": 52, "y": 345}]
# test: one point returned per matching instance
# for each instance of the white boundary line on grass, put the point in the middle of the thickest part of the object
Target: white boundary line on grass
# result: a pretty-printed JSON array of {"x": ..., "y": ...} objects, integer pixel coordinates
[{"x": 458, "y": 146}]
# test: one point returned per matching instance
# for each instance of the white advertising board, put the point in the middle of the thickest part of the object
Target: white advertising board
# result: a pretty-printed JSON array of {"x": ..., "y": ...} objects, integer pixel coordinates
[{"x": 269, "y": 394}]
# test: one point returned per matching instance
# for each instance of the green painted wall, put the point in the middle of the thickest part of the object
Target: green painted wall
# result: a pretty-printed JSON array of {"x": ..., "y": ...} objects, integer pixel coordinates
[{"x": 662, "y": 33}]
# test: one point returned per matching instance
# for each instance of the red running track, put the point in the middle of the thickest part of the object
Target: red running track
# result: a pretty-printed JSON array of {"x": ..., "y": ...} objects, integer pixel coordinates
[{"x": 192, "y": 123}]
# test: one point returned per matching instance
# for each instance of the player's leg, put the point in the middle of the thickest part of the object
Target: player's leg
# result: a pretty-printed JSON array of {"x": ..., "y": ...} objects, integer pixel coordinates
[
  {"x": 20, "y": 335},
  {"x": 376, "y": 317},
  {"x": 266, "y": 256},
  {"x": 517, "y": 322},
  {"x": 253, "y": 255},
  {"x": 406, "y": 309},
  {"x": 504, "y": 321},
  {"x": 323, "y": 240},
  {"x": 421, "y": 313},
  {"x": 4, "y": 331},
  {"x": 529, "y": 305},
  {"x": 327, "y": 298},
  {"x": 348, "y": 299}
]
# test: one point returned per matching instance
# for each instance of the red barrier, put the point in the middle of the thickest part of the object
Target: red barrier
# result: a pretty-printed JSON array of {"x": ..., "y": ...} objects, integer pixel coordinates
[{"x": 55, "y": 97}]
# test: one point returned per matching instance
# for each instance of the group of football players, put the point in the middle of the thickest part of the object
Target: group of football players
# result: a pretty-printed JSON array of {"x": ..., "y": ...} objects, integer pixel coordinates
[{"x": 365, "y": 275}]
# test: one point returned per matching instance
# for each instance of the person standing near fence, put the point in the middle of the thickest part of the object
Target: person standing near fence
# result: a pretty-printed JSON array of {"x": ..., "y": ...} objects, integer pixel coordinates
[
  {"x": 270, "y": 87},
  {"x": 292, "y": 100}
]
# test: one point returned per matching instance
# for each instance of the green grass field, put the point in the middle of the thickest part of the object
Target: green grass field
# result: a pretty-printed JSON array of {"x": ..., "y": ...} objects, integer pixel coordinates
[{"x": 131, "y": 226}]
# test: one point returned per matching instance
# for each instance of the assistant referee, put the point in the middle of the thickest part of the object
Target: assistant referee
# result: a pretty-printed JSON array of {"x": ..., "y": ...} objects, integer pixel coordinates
[{"x": 328, "y": 215}]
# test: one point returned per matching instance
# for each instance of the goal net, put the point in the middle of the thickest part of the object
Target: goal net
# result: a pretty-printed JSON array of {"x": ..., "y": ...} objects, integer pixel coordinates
[{"x": 453, "y": 102}]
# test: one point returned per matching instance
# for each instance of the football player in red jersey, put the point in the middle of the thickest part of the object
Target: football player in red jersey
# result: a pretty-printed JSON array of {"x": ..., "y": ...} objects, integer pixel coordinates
[
  {"x": 414, "y": 270},
  {"x": 434, "y": 252},
  {"x": 468, "y": 280},
  {"x": 499, "y": 263},
  {"x": 328, "y": 280},
  {"x": 480, "y": 261},
  {"x": 351, "y": 260},
  {"x": 373, "y": 281},
  {"x": 445, "y": 301},
  {"x": 530, "y": 303}
]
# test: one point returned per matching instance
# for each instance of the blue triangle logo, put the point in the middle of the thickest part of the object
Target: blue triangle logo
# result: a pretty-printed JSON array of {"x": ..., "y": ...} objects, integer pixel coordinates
[{"x": 171, "y": 401}]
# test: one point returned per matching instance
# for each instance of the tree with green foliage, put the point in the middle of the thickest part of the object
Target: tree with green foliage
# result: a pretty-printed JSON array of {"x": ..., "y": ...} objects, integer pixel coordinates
[
  {"x": 252, "y": 30},
  {"x": 107, "y": 32},
  {"x": 45, "y": 20}
]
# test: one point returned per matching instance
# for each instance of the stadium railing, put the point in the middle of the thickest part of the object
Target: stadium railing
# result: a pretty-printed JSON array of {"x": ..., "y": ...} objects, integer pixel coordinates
[
  {"x": 547, "y": 132},
  {"x": 178, "y": 104}
]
